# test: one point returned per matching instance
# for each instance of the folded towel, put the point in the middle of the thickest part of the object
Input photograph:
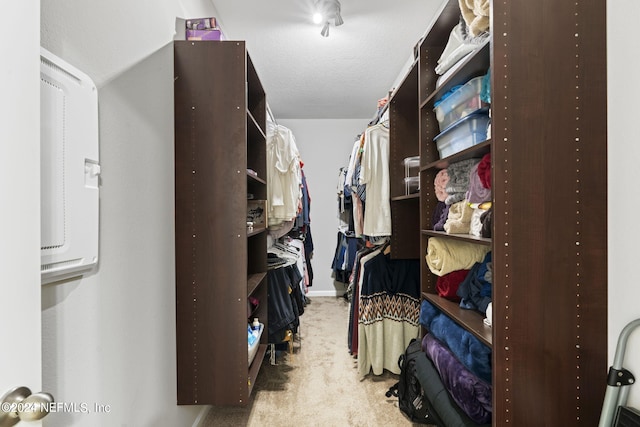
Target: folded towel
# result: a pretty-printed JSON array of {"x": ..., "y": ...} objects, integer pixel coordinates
[
  {"x": 445, "y": 255},
  {"x": 440, "y": 184},
  {"x": 459, "y": 218}
]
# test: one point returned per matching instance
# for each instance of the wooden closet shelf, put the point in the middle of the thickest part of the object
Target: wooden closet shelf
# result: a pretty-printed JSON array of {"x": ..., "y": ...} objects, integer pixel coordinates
[
  {"x": 255, "y": 366},
  {"x": 255, "y": 178},
  {"x": 256, "y": 230},
  {"x": 465, "y": 237},
  {"x": 412, "y": 196},
  {"x": 475, "y": 151},
  {"x": 253, "y": 281},
  {"x": 471, "y": 320}
]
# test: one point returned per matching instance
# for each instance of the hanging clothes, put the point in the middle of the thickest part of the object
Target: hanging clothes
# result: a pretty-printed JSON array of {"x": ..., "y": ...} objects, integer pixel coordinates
[
  {"x": 283, "y": 176},
  {"x": 375, "y": 175},
  {"x": 344, "y": 257},
  {"x": 302, "y": 228},
  {"x": 388, "y": 313},
  {"x": 285, "y": 302}
]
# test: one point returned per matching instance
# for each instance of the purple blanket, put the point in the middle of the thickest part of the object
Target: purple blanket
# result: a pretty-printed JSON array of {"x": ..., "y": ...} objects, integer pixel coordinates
[{"x": 471, "y": 394}]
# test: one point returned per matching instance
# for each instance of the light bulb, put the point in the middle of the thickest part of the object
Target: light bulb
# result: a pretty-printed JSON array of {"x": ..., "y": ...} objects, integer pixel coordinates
[{"x": 317, "y": 18}]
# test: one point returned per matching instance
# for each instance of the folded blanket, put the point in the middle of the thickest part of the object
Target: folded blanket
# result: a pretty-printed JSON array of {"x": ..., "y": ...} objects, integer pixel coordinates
[
  {"x": 477, "y": 192},
  {"x": 476, "y": 15},
  {"x": 475, "y": 228},
  {"x": 484, "y": 170},
  {"x": 446, "y": 255},
  {"x": 458, "y": 183},
  {"x": 475, "y": 289},
  {"x": 468, "y": 349},
  {"x": 471, "y": 394},
  {"x": 459, "y": 218},
  {"x": 487, "y": 223},
  {"x": 440, "y": 215},
  {"x": 447, "y": 285},
  {"x": 440, "y": 185}
]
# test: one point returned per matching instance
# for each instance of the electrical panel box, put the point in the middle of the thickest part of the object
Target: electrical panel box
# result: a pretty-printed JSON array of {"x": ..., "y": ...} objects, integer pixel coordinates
[{"x": 69, "y": 170}]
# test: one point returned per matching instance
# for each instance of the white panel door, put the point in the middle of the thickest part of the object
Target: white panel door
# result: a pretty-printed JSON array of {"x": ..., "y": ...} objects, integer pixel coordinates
[{"x": 20, "y": 354}]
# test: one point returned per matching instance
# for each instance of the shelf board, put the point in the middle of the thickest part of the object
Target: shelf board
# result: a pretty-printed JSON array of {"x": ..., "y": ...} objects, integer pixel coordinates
[
  {"x": 476, "y": 151},
  {"x": 255, "y": 366},
  {"x": 253, "y": 281},
  {"x": 464, "y": 237},
  {"x": 256, "y": 230},
  {"x": 397, "y": 94},
  {"x": 411, "y": 196},
  {"x": 470, "y": 320},
  {"x": 255, "y": 178}
]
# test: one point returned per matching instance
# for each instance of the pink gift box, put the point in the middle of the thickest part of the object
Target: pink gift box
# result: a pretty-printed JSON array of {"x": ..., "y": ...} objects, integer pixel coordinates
[{"x": 214, "y": 34}]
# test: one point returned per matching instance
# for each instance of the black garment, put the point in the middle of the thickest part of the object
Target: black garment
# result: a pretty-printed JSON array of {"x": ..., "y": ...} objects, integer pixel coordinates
[
  {"x": 284, "y": 298},
  {"x": 308, "y": 253},
  {"x": 384, "y": 275}
]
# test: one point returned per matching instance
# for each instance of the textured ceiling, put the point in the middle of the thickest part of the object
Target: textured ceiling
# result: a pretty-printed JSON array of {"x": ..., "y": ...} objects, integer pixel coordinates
[{"x": 306, "y": 75}]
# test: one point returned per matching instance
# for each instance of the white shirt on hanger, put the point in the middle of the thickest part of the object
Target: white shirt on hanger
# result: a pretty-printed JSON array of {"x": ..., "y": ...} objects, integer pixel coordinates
[
  {"x": 375, "y": 174},
  {"x": 283, "y": 176}
]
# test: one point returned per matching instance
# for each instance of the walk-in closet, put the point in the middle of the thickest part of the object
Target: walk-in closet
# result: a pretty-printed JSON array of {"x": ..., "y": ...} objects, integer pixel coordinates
[
  {"x": 418, "y": 212},
  {"x": 464, "y": 218}
]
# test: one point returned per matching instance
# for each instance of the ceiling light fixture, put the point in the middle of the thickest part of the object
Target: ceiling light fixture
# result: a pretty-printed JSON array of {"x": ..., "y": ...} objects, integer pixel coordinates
[{"x": 327, "y": 10}]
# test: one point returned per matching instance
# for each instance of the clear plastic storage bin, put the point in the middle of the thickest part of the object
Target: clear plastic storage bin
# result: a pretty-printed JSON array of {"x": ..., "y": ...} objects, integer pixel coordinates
[
  {"x": 411, "y": 164},
  {"x": 468, "y": 131},
  {"x": 459, "y": 104},
  {"x": 411, "y": 184},
  {"x": 253, "y": 349}
]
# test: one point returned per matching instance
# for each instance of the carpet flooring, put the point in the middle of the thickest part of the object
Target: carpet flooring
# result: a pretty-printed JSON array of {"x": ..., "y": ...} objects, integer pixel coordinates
[{"x": 318, "y": 384}]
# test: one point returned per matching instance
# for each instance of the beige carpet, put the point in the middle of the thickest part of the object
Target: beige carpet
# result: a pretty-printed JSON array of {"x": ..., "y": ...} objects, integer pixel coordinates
[{"x": 318, "y": 385}]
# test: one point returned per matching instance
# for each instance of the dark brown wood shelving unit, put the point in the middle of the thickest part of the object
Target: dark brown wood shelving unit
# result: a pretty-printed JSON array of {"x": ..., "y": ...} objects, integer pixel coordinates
[
  {"x": 548, "y": 144},
  {"x": 404, "y": 141},
  {"x": 220, "y": 122}
]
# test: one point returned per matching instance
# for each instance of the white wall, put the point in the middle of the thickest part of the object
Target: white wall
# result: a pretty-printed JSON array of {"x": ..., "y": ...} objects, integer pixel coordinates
[
  {"x": 109, "y": 338},
  {"x": 324, "y": 146},
  {"x": 623, "y": 178}
]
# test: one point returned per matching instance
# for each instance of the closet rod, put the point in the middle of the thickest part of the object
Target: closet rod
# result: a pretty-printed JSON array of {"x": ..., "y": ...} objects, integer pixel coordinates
[{"x": 273, "y": 119}]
